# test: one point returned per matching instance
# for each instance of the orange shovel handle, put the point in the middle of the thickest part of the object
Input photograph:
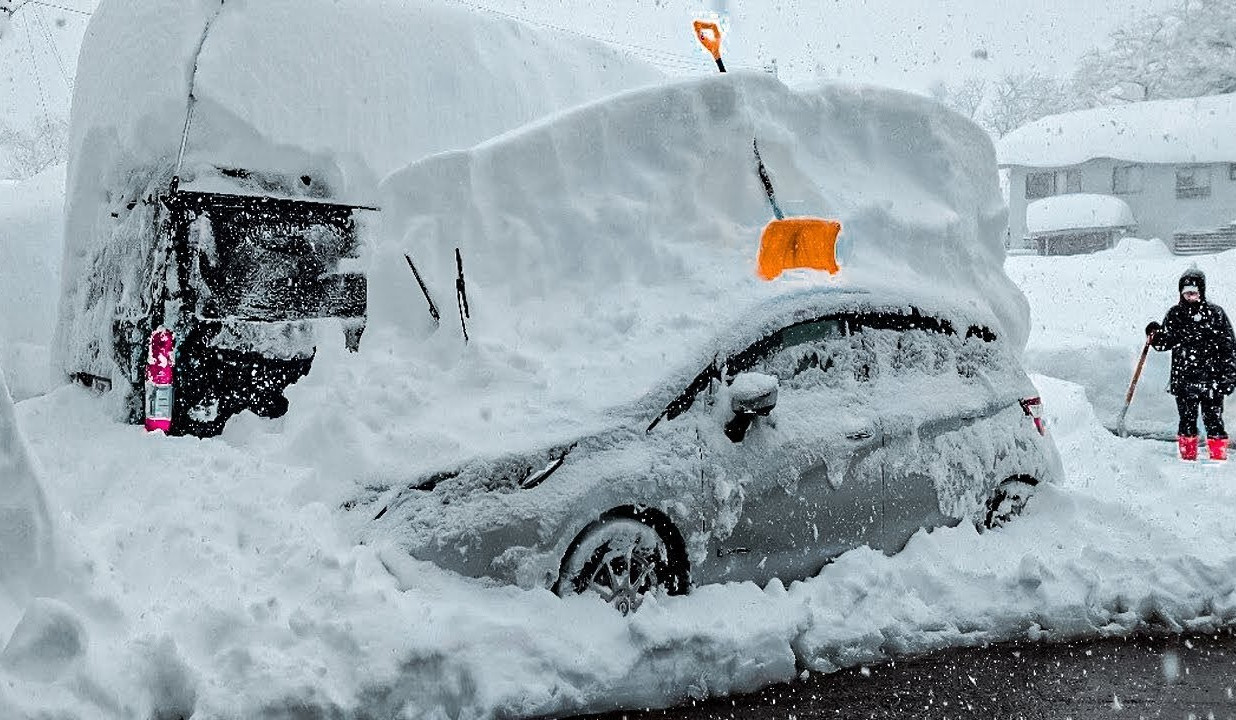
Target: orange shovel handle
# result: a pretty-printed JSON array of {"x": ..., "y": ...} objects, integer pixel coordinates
[{"x": 709, "y": 35}]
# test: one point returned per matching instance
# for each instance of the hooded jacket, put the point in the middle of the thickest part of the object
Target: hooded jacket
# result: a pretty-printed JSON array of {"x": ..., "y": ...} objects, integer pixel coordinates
[{"x": 1202, "y": 343}]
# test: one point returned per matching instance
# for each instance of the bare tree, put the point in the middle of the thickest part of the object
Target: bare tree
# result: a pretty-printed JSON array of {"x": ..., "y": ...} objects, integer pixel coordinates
[
  {"x": 1021, "y": 98},
  {"x": 966, "y": 97},
  {"x": 30, "y": 152},
  {"x": 1188, "y": 51}
]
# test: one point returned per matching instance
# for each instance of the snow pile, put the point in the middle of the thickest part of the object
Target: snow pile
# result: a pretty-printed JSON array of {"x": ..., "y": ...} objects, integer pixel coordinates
[
  {"x": 31, "y": 232},
  {"x": 609, "y": 252},
  {"x": 1078, "y": 211},
  {"x": 1190, "y": 130},
  {"x": 338, "y": 92},
  {"x": 1088, "y": 318},
  {"x": 239, "y": 595}
]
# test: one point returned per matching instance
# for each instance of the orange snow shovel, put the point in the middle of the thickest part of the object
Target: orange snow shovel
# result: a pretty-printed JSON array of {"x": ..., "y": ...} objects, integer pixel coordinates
[
  {"x": 786, "y": 243},
  {"x": 1121, "y": 430}
]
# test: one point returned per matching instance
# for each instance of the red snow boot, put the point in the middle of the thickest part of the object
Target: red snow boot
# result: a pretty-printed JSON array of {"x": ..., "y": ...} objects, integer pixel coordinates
[
  {"x": 1188, "y": 447},
  {"x": 1217, "y": 448}
]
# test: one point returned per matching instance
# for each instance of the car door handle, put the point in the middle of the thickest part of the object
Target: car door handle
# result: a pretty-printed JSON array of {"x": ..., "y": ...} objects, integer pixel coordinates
[{"x": 860, "y": 435}]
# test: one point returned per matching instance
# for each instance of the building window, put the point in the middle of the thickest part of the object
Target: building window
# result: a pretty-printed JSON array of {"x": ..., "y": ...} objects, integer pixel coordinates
[
  {"x": 1040, "y": 185},
  {"x": 1126, "y": 179},
  {"x": 1073, "y": 181},
  {"x": 1192, "y": 181}
]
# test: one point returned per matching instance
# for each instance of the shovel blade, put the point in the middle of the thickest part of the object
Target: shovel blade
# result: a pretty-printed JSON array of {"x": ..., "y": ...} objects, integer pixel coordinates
[{"x": 800, "y": 242}]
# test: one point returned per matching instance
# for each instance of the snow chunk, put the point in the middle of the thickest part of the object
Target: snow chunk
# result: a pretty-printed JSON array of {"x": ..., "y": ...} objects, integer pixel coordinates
[
  {"x": 1078, "y": 211},
  {"x": 48, "y": 641},
  {"x": 1192, "y": 130}
]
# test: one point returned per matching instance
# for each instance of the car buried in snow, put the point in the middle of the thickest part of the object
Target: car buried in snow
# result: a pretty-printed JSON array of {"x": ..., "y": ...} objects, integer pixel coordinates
[{"x": 834, "y": 421}]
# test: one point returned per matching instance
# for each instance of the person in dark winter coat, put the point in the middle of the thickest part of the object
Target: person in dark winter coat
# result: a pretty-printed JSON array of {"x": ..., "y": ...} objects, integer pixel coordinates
[{"x": 1203, "y": 347}]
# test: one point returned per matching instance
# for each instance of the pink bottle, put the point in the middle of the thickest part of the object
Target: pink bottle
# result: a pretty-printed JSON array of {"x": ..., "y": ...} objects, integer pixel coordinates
[{"x": 159, "y": 364}]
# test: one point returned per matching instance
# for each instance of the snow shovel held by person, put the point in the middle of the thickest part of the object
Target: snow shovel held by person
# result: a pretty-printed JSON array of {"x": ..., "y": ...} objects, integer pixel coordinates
[
  {"x": 1121, "y": 429},
  {"x": 786, "y": 243}
]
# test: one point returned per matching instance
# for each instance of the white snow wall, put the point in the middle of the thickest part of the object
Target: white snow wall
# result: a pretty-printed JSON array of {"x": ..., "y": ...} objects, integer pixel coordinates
[{"x": 347, "y": 89}]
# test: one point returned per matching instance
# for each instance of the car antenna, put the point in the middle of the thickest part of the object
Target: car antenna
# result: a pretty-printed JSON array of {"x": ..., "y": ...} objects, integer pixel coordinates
[
  {"x": 433, "y": 309},
  {"x": 461, "y": 295}
]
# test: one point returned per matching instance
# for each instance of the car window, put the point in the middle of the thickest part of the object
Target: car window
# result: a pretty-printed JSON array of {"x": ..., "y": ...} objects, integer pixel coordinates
[{"x": 860, "y": 345}]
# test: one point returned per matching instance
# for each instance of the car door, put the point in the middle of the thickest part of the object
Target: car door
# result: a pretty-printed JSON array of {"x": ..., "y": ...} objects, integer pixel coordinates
[
  {"x": 931, "y": 447},
  {"x": 804, "y": 484}
]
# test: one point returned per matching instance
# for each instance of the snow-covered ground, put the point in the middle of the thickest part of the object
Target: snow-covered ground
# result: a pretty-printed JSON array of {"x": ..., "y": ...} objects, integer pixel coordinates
[
  {"x": 226, "y": 588},
  {"x": 223, "y": 589}
]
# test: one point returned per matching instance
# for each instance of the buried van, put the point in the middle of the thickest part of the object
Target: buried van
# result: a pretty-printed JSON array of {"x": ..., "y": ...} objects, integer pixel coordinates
[{"x": 222, "y": 179}]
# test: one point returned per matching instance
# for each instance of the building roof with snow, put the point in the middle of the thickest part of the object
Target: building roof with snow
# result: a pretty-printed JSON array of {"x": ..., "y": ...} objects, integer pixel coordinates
[
  {"x": 1190, "y": 130},
  {"x": 1078, "y": 211}
]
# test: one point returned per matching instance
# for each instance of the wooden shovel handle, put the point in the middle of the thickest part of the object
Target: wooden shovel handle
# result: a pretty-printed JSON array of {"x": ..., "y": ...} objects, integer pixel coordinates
[{"x": 1141, "y": 363}]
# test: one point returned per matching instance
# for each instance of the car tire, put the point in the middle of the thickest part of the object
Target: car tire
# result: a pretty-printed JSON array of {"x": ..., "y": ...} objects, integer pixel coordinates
[
  {"x": 1007, "y": 501},
  {"x": 622, "y": 561}
]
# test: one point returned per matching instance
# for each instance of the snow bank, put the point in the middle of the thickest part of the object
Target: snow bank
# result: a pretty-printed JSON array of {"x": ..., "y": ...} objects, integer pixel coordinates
[
  {"x": 1088, "y": 317},
  {"x": 340, "y": 92},
  {"x": 1191, "y": 130},
  {"x": 1078, "y": 211},
  {"x": 31, "y": 232},
  {"x": 237, "y": 593},
  {"x": 610, "y": 251}
]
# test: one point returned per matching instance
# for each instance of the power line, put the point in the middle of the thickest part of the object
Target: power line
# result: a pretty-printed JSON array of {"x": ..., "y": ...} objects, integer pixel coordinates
[
  {"x": 51, "y": 43},
  {"x": 34, "y": 69},
  {"x": 51, "y": 5}
]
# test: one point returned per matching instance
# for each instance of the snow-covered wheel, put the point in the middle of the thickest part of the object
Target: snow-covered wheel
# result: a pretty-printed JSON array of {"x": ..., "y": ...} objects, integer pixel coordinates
[
  {"x": 1006, "y": 502},
  {"x": 622, "y": 561}
]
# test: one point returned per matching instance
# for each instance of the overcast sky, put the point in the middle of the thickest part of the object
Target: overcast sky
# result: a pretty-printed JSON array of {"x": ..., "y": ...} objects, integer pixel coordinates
[{"x": 901, "y": 43}]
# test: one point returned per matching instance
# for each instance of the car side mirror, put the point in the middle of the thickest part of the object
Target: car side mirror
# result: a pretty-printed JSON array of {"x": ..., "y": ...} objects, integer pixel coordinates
[{"x": 751, "y": 395}]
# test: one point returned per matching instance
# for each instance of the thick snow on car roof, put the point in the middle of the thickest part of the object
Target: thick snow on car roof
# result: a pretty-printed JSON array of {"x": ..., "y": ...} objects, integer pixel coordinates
[
  {"x": 612, "y": 248},
  {"x": 1190, "y": 130},
  {"x": 1077, "y": 211}
]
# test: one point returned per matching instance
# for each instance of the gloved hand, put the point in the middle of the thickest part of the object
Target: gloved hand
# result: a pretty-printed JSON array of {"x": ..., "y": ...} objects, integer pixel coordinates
[{"x": 1152, "y": 328}]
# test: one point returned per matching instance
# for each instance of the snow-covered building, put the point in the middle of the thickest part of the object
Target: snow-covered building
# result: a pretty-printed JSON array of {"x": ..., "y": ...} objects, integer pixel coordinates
[{"x": 1173, "y": 162}]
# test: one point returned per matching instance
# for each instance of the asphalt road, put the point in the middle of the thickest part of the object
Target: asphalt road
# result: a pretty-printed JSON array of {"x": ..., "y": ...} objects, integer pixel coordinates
[{"x": 1191, "y": 677}]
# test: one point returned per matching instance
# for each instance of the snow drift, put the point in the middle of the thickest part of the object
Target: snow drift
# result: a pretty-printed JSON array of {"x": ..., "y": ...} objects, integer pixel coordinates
[{"x": 337, "y": 93}]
